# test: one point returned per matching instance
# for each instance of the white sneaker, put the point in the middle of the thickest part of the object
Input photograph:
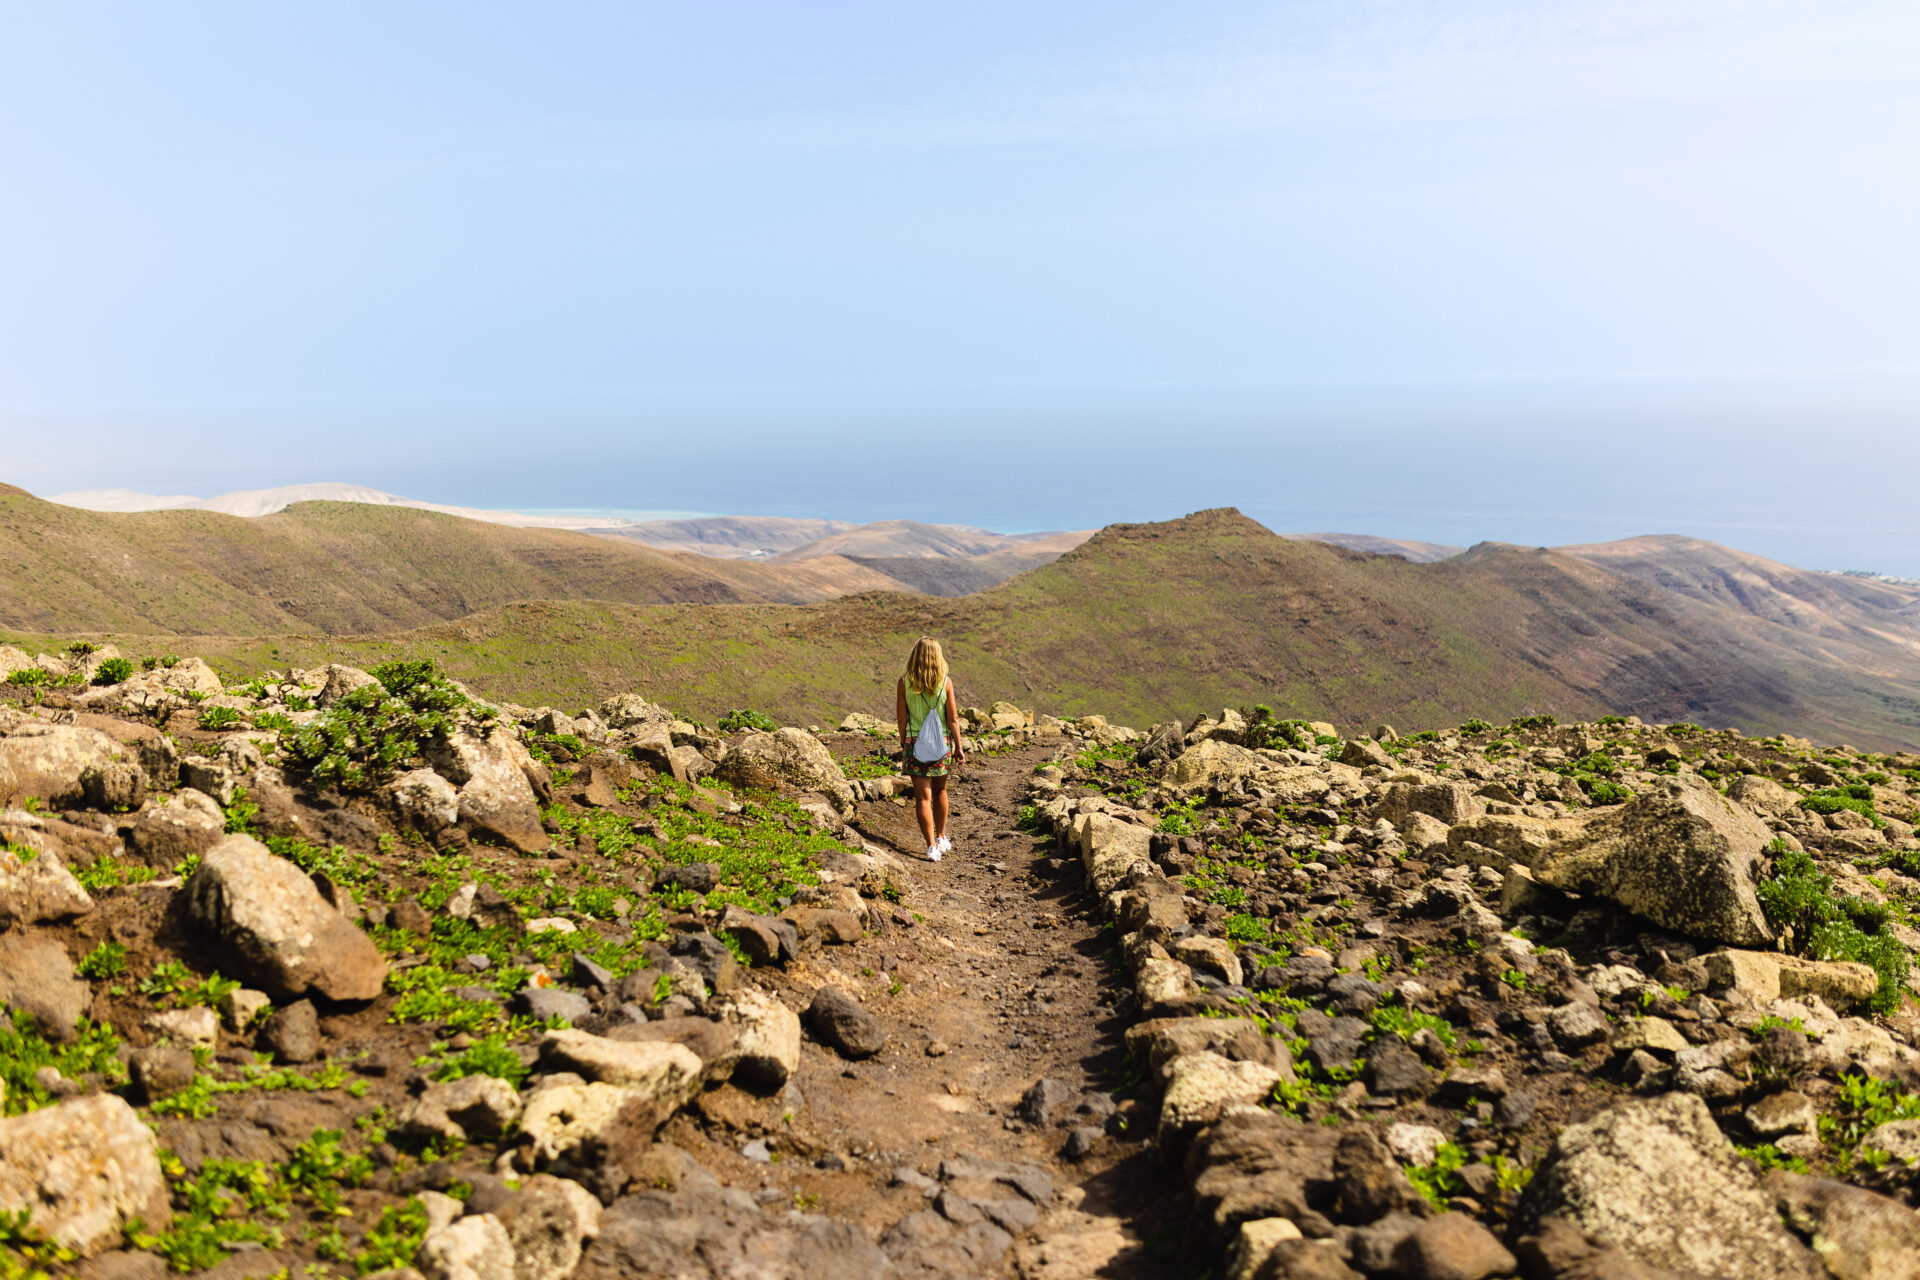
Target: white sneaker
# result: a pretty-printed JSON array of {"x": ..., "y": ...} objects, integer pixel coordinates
[
  {"x": 944, "y": 844},
  {"x": 933, "y": 852}
]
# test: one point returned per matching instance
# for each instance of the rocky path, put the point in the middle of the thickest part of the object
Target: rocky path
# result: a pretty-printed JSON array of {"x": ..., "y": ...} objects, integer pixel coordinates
[{"x": 1003, "y": 1048}]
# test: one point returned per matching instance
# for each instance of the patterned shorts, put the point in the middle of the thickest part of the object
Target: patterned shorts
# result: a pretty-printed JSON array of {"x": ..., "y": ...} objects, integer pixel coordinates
[{"x": 938, "y": 769}]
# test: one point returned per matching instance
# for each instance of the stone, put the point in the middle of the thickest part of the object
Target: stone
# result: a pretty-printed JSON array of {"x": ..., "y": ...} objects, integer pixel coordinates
[
  {"x": 1306, "y": 1260},
  {"x": 630, "y": 711},
  {"x": 1781, "y": 1113},
  {"x": 280, "y": 933},
  {"x": 85, "y": 1168},
  {"x": 662, "y": 1072},
  {"x": 1656, "y": 1179},
  {"x": 1214, "y": 955},
  {"x": 1165, "y": 988},
  {"x": 1046, "y": 1101},
  {"x": 1514, "y": 1109},
  {"x": 1368, "y": 1182},
  {"x": 543, "y": 1003},
  {"x": 424, "y": 801},
  {"x": 1761, "y": 977},
  {"x": 1453, "y": 1246},
  {"x": 1449, "y": 803},
  {"x": 1656, "y": 1035},
  {"x": 1859, "y": 1235},
  {"x": 548, "y": 1223},
  {"x": 1679, "y": 854},
  {"x": 1763, "y": 796},
  {"x": 1900, "y": 1139},
  {"x": 1361, "y": 752},
  {"x": 159, "y": 1071},
  {"x": 292, "y": 1032},
  {"x": 335, "y": 681},
  {"x": 1395, "y": 1071},
  {"x": 1577, "y": 1024},
  {"x": 1258, "y": 1164},
  {"x": 211, "y": 778},
  {"x": 38, "y": 889},
  {"x": 1338, "y": 1045},
  {"x": 37, "y": 978},
  {"x": 1255, "y": 1242},
  {"x": 769, "y": 1037},
  {"x": 472, "y": 1108},
  {"x": 766, "y": 940},
  {"x": 495, "y": 797},
  {"x": 1416, "y": 1144},
  {"x": 1422, "y": 831},
  {"x": 838, "y": 1020},
  {"x": 239, "y": 1008},
  {"x": 196, "y": 1026},
  {"x": 474, "y": 1248},
  {"x": 186, "y": 826},
  {"x": 1213, "y": 763},
  {"x": 1158, "y": 1041},
  {"x": 567, "y": 1117},
  {"x": 790, "y": 760},
  {"x": 1108, "y": 849},
  {"x": 44, "y": 761},
  {"x": 114, "y": 786}
]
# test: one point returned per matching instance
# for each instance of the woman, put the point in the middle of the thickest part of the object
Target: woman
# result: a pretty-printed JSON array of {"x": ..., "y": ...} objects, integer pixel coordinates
[{"x": 925, "y": 690}]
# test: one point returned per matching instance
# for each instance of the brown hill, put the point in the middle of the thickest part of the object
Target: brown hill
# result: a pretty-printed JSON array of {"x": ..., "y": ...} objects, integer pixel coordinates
[{"x": 1153, "y": 620}]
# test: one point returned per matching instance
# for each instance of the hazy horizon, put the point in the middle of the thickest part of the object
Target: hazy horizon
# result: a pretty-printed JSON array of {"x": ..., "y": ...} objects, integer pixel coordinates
[{"x": 1448, "y": 272}]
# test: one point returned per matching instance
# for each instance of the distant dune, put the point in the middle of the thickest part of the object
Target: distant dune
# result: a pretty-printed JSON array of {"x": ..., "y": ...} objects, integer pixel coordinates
[{"x": 1417, "y": 552}]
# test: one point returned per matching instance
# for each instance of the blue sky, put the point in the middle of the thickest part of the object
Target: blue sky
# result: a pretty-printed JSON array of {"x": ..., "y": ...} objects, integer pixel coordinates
[{"x": 1539, "y": 272}]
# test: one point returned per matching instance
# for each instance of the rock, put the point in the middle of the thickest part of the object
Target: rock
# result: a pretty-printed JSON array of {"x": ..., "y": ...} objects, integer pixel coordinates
[
  {"x": 284, "y": 937},
  {"x": 186, "y": 826},
  {"x": 1859, "y": 1235},
  {"x": 335, "y": 681},
  {"x": 36, "y": 978},
  {"x": 159, "y": 1071},
  {"x": 1681, "y": 855},
  {"x": 1900, "y": 1139},
  {"x": 1166, "y": 989},
  {"x": 292, "y": 1032},
  {"x": 210, "y": 777},
  {"x": 1416, "y": 1144},
  {"x": 566, "y": 1116},
  {"x": 769, "y": 1037},
  {"x": 114, "y": 786},
  {"x": 196, "y": 1026},
  {"x": 1763, "y": 796},
  {"x": 1213, "y": 763},
  {"x": 1046, "y": 1101},
  {"x": 46, "y": 761},
  {"x": 662, "y": 1072},
  {"x": 1361, "y": 752},
  {"x": 1514, "y": 1109},
  {"x": 1213, "y": 955},
  {"x": 630, "y": 710},
  {"x": 1395, "y": 1071},
  {"x": 1422, "y": 831},
  {"x": 472, "y": 1108},
  {"x": 495, "y": 797},
  {"x": 1656, "y": 1179},
  {"x": 1656, "y": 1035},
  {"x": 709, "y": 957},
  {"x": 474, "y": 1248},
  {"x": 699, "y": 877},
  {"x": 766, "y": 940},
  {"x": 1368, "y": 1182},
  {"x": 1108, "y": 849},
  {"x": 1577, "y": 1024},
  {"x": 1781, "y": 1113},
  {"x": 543, "y": 1003},
  {"x": 1453, "y": 1247},
  {"x": 1449, "y": 803},
  {"x": 1254, "y": 1243},
  {"x": 1257, "y": 1164},
  {"x": 1305, "y": 1260},
  {"x": 837, "y": 1020},
  {"x": 787, "y": 759},
  {"x": 85, "y": 1168},
  {"x": 424, "y": 801},
  {"x": 1762, "y": 977},
  {"x": 1158, "y": 1041},
  {"x": 548, "y": 1222},
  {"x": 39, "y": 889},
  {"x": 1337, "y": 1046}
]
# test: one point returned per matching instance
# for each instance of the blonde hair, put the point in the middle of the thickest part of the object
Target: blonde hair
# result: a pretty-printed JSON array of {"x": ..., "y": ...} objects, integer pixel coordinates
[{"x": 926, "y": 667}]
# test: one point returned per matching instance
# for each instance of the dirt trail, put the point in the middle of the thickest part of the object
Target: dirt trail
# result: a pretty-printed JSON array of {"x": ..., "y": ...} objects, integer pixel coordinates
[{"x": 1003, "y": 981}]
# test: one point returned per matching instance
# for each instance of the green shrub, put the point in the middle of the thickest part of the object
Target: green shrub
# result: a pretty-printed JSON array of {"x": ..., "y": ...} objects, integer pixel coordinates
[
  {"x": 1605, "y": 791},
  {"x": 365, "y": 737},
  {"x": 112, "y": 671},
  {"x": 27, "y": 676},
  {"x": 1799, "y": 896},
  {"x": 1523, "y": 723},
  {"x": 23, "y": 1051},
  {"x": 108, "y": 960},
  {"x": 221, "y": 718},
  {"x": 488, "y": 1056},
  {"x": 744, "y": 720},
  {"x": 1267, "y": 730},
  {"x": 1855, "y": 797}
]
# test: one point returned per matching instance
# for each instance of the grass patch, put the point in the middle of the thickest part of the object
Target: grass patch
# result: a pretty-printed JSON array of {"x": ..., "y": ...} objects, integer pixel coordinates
[{"x": 1798, "y": 896}]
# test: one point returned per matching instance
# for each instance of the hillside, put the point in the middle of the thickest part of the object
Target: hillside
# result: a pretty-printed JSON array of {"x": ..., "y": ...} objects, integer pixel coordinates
[{"x": 1156, "y": 620}]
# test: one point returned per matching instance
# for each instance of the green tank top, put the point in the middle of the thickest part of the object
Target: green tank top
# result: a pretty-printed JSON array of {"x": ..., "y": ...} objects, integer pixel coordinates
[{"x": 919, "y": 704}]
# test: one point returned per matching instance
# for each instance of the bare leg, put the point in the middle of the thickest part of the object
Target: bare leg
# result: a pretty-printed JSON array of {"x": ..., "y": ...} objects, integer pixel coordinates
[
  {"x": 939, "y": 807},
  {"x": 923, "y": 808}
]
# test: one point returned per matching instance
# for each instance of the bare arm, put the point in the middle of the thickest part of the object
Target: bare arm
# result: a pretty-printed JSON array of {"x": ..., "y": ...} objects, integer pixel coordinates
[
  {"x": 953, "y": 723},
  {"x": 900, "y": 710}
]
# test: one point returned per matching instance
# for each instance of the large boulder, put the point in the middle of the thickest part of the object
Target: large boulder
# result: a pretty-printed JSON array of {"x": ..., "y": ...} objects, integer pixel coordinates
[
  {"x": 769, "y": 1042},
  {"x": 1212, "y": 763},
  {"x": 335, "y": 681},
  {"x": 630, "y": 710},
  {"x": 1761, "y": 795},
  {"x": 85, "y": 1169},
  {"x": 38, "y": 888},
  {"x": 1680, "y": 855},
  {"x": 787, "y": 760},
  {"x": 495, "y": 795},
  {"x": 1450, "y": 802},
  {"x": 424, "y": 800},
  {"x": 160, "y": 690},
  {"x": 283, "y": 936},
  {"x": 1860, "y": 1235},
  {"x": 37, "y": 978},
  {"x": 1656, "y": 1179},
  {"x": 187, "y": 825},
  {"x": 1109, "y": 847},
  {"x": 47, "y": 761},
  {"x": 662, "y": 1071}
]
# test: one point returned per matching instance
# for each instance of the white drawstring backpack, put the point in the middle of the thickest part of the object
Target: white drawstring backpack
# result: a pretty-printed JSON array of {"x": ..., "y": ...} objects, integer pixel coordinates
[{"x": 932, "y": 742}]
